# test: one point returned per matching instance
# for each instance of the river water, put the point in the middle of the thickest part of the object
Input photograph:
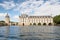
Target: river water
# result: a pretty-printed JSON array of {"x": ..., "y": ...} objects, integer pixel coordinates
[{"x": 30, "y": 33}]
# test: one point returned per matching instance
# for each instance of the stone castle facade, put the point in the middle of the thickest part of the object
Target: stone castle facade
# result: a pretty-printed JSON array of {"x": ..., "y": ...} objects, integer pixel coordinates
[
  {"x": 35, "y": 20},
  {"x": 24, "y": 19}
]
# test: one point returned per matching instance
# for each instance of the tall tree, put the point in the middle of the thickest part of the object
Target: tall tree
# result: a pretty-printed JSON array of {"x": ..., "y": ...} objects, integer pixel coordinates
[{"x": 56, "y": 19}]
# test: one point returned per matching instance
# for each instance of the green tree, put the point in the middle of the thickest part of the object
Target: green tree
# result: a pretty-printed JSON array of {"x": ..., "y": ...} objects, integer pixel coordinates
[
  {"x": 2, "y": 23},
  {"x": 56, "y": 19}
]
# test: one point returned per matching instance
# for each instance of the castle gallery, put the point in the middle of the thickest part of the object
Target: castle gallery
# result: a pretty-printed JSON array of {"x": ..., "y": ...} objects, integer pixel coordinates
[{"x": 25, "y": 19}]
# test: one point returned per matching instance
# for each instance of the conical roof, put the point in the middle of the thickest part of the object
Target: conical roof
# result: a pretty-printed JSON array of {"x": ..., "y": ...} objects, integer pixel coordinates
[{"x": 7, "y": 15}]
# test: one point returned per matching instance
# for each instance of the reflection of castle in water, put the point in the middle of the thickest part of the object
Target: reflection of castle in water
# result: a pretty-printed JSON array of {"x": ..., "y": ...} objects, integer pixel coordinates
[{"x": 32, "y": 20}]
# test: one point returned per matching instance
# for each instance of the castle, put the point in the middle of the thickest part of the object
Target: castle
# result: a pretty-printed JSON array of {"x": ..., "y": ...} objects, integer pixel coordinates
[{"x": 24, "y": 19}]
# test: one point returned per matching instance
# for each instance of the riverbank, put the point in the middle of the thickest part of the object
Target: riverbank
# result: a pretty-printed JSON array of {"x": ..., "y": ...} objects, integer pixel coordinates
[{"x": 57, "y": 25}]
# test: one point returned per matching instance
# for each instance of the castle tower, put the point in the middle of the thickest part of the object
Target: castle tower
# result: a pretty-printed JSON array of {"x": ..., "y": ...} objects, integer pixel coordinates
[{"x": 7, "y": 19}]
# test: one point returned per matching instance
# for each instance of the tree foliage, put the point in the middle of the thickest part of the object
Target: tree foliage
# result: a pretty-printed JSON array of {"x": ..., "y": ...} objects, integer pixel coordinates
[
  {"x": 56, "y": 19},
  {"x": 2, "y": 23}
]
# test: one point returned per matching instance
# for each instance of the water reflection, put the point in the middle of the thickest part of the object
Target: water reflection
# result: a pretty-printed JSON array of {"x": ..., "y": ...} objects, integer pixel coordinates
[{"x": 30, "y": 33}]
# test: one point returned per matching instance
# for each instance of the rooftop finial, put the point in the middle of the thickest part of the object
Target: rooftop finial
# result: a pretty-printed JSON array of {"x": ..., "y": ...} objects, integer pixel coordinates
[{"x": 7, "y": 15}]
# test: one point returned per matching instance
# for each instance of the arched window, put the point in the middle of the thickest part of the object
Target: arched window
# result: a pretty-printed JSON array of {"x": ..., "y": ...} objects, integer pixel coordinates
[
  {"x": 50, "y": 24},
  {"x": 34, "y": 23},
  {"x": 44, "y": 23},
  {"x": 39, "y": 23}
]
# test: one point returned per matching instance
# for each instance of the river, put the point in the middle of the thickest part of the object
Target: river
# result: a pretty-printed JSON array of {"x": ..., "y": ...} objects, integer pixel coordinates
[{"x": 30, "y": 33}]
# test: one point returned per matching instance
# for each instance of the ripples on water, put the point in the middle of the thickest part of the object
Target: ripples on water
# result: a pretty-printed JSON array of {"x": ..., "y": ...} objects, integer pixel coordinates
[{"x": 30, "y": 33}]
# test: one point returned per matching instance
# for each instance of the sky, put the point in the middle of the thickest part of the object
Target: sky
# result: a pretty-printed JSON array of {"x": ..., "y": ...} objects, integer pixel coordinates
[{"x": 31, "y": 7}]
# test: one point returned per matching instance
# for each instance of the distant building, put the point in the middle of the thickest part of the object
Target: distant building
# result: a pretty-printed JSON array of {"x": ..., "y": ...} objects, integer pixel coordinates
[
  {"x": 35, "y": 20},
  {"x": 7, "y": 19}
]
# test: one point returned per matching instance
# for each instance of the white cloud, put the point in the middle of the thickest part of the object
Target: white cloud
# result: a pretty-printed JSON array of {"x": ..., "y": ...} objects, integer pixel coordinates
[
  {"x": 2, "y": 16},
  {"x": 40, "y": 8},
  {"x": 28, "y": 6},
  {"x": 48, "y": 9},
  {"x": 15, "y": 18},
  {"x": 35, "y": 7},
  {"x": 8, "y": 5}
]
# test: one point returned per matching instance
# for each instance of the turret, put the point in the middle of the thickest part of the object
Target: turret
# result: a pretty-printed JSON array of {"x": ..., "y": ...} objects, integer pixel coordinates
[{"x": 7, "y": 19}]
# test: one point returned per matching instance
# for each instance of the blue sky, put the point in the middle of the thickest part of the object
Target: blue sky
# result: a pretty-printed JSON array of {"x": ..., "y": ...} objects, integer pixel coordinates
[
  {"x": 10, "y": 11},
  {"x": 31, "y": 7}
]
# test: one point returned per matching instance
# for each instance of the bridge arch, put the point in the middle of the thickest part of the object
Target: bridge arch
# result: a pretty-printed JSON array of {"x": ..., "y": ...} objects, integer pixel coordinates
[
  {"x": 44, "y": 24},
  {"x": 34, "y": 23},
  {"x": 50, "y": 24},
  {"x": 30, "y": 23},
  {"x": 39, "y": 23}
]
